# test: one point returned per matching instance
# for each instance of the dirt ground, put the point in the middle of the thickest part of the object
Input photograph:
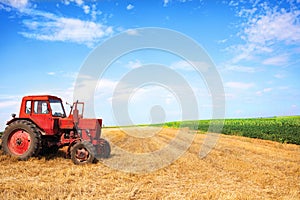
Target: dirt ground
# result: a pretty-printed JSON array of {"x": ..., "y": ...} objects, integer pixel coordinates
[{"x": 237, "y": 168}]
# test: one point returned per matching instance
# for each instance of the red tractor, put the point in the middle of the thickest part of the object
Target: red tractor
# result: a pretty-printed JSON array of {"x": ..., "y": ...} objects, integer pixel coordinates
[{"x": 43, "y": 127}]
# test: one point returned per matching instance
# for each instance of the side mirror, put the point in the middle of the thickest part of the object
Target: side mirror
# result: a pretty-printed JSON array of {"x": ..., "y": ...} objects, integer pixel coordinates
[{"x": 71, "y": 106}]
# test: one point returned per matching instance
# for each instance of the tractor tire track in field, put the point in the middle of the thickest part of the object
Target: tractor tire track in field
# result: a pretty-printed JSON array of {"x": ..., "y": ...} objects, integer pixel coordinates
[{"x": 237, "y": 168}]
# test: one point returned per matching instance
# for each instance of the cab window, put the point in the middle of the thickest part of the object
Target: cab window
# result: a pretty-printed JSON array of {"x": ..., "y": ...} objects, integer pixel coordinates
[
  {"x": 28, "y": 107},
  {"x": 57, "y": 108},
  {"x": 41, "y": 107}
]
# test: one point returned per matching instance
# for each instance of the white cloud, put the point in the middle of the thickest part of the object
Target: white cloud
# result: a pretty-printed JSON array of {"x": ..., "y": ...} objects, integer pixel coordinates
[
  {"x": 247, "y": 52},
  {"x": 245, "y": 11},
  {"x": 166, "y": 3},
  {"x": 259, "y": 93},
  {"x": 84, "y": 88},
  {"x": 280, "y": 60},
  {"x": 18, "y": 4},
  {"x": 132, "y": 32},
  {"x": 79, "y": 2},
  {"x": 51, "y": 73},
  {"x": 11, "y": 103},
  {"x": 66, "y": 2},
  {"x": 94, "y": 12},
  {"x": 129, "y": 7},
  {"x": 265, "y": 90},
  {"x": 238, "y": 68},
  {"x": 86, "y": 9},
  {"x": 234, "y": 3},
  {"x": 47, "y": 26},
  {"x": 182, "y": 65},
  {"x": 294, "y": 106},
  {"x": 66, "y": 30},
  {"x": 279, "y": 76},
  {"x": 64, "y": 74},
  {"x": 189, "y": 66},
  {"x": 266, "y": 28},
  {"x": 239, "y": 85},
  {"x": 134, "y": 64},
  {"x": 6, "y": 8},
  {"x": 106, "y": 86},
  {"x": 274, "y": 26},
  {"x": 222, "y": 41},
  {"x": 152, "y": 93}
]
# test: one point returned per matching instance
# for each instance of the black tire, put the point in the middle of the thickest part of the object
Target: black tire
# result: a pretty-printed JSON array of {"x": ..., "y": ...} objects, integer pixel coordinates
[
  {"x": 46, "y": 149},
  {"x": 21, "y": 139},
  {"x": 49, "y": 150},
  {"x": 53, "y": 149},
  {"x": 83, "y": 153},
  {"x": 103, "y": 149}
]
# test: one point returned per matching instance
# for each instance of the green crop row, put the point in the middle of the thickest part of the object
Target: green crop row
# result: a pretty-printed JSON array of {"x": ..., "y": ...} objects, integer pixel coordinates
[{"x": 280, "y": 129}]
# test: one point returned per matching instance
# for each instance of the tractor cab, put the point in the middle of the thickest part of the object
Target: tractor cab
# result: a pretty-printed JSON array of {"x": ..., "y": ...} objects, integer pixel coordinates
[
  {"x": 47, "y": 104},
  {"x": 45, "y": 111}
]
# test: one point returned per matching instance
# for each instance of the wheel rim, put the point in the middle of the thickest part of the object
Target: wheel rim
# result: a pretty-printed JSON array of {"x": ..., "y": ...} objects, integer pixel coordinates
[
  {"x": 19, "y": 142},
  {"x": 82, "y": 154}
]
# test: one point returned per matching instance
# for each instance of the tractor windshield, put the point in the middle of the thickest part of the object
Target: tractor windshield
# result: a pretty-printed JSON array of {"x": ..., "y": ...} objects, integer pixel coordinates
[{"x": 57, "y": 108}]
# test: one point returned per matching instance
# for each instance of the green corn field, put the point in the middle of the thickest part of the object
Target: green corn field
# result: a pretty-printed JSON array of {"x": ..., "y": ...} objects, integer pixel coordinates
[{"x": 280, "y": 129}]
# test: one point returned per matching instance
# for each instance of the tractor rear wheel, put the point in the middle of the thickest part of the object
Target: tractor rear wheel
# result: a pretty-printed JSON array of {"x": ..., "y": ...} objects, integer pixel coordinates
[
  {"x": 21, "y": 139},
  {"x": 82, "y": 153},
  {"x": 103, "y": 149}
]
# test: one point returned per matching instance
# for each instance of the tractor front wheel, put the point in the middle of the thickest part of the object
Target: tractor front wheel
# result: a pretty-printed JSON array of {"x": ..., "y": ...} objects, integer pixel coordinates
[
  {"x": 82, "y": 153},
  {"x": 21, "y": 139}
]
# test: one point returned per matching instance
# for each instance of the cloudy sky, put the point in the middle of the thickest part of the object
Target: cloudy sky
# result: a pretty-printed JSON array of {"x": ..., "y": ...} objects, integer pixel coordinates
[{"x": 255, "y": 46}]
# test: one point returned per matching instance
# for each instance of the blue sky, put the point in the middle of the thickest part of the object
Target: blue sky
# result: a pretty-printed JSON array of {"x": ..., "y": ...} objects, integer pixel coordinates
[{"x": 255, "y": 46}]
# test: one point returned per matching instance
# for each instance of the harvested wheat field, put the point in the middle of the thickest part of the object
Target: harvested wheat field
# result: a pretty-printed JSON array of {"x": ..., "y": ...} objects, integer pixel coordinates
[{"x": 237, "y": 168}]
